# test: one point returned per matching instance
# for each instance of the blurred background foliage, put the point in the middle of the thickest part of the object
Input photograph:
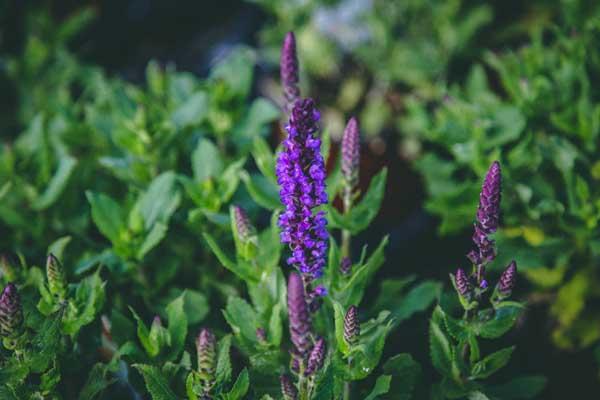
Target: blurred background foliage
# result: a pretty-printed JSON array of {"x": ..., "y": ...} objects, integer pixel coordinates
[{"x": 444, "y": 87}]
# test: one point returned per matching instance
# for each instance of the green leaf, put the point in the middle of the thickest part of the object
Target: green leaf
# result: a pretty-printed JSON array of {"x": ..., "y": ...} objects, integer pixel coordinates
[
  {"x": 526, "y": 387},
  {"x": 353, "y": 291},
  {"x": 195, "y": 306},
  {"x": 206, "y": 161},
  {"x": 160, "y": 201},
  {"x": 405, "y": 372},
  {"x": 492, "y": 363},
  {"x": 440, "y": 349},
  {"x": 242, "y": 318},
  {"x": 96, "y": 382},
  {"x": 275, "y": 326},
  {"x": 223, "y": 370},
  {"x": 240, "y": 387},
  {"x": 107, "y": 215},
  {"x": 264, "y": 159},
  {"x": 242, "y": 270},
  {"x": 177, "y": 328},
  {"x": 361, "y": 215},
  {"x": 58, "y": 247},
  {"x": 57, "y": 184},
  {"x": 264, "y": 192},
  {"x": 382, "y": 386},
  {"x": 153, "y": 238},
  {"x": 88, "y": 301},
  {"x": 192, "y": 112},
  {"x": 339, "y": 315},
  {"x": 504, "y": 318},
  {"x": 156, "y": 384},
  {"x": 45, "y": 344}
]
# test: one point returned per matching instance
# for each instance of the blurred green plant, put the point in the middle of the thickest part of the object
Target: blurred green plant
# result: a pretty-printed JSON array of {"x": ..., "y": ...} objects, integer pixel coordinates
[{"x": 536, "y": 109}]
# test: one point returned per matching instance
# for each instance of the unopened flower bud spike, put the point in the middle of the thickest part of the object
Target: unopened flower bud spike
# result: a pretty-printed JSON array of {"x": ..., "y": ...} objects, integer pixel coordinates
[{"x": 57, "y": 281}]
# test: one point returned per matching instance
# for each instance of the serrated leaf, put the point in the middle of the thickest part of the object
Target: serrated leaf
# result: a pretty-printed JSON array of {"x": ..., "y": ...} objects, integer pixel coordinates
[
  {"x": 96, "y": 382},
  {"x": 492, "y": 363},
  {"x": 156, "y": 384},
  {"x": 339, "y": 315},
  {"x": 240, "y": 387},
  {"x": 440, "y": 350},
  {"x": 223, "y": 370},
  {"x": 177, "y": 326},
  {"x": 504, "y": 318},
  {"x": 242, "y": 318}
]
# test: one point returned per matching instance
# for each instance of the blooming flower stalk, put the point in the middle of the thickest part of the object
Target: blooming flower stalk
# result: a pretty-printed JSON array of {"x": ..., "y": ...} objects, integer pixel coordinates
[
  {"x": 11, "y": 312},
  {"x": 288, "y": 389},
  {"x": 351, "y": 326},
  {"x": 289, "y": 71},
  {"x": 488, "y": 215},
  {"x": 316, "y": 358},
  {"x": 299, "y": 317},
  {"x": 57, "y": 282},
  {"x": 206, "y": 347},
  {"x": 301, "y": 177}
]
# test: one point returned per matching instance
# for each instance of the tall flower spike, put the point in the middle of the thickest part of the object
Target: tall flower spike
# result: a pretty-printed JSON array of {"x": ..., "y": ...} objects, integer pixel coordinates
[
  {"x": 299, "y": 316},
  {"x": 351, "y": 326},
  {"x": 11, "y": 312},
  {"x": 288, "y": 389},
  {"x": 351, "y": 153},
  {"x": 206, "y": 347},
  {"x": 289, "y": 71},
  {"x": 316, "y": 358},
  {"x": 507, "y": 280},
  {"x": 57, "y": 282},
  {"x": 242, "y": 224},
  {"x": 301, "y": 177},
  {"x": 488, "y": 215},
  {"x": 462, "y": 283}
]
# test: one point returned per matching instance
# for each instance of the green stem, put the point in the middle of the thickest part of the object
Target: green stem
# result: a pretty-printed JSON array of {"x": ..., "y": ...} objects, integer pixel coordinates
[{"x": 346, "y": 235}]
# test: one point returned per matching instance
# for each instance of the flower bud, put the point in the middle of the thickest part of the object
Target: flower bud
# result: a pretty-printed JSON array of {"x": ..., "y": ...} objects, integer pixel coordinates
[
  {"x": 244, "y": 233},
  {"x": 11, "y": 312},
  {"x": 316, "y": 358},
  {"x": 206, "y": 347},
  {"x": 351, "y": 154},
  {"x": 289, "y": 71},
  {"x": 288, "y": 389},
  {"x": 461, "y": 281},
  {"x": 346, "y": 266},
  {"x": 299, "y": 316},
  {"x": 55, "y": 273},
  {"x": 261, "y": 335},
  {"x": 507, "y": 280},
  {"x": 351, "y": 326}
]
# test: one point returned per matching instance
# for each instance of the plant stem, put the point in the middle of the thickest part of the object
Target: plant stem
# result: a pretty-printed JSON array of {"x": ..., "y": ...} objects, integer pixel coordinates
[{"x": 346, "y": 235}]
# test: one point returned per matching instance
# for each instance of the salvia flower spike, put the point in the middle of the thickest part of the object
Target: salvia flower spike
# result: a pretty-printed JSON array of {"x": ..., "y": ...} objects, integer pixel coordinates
[
  {"x": 11, "y": 312},
  {"x": 299, "y": 316},
  {"x": 507, "y": 280},
  {"x": 301, "y": 177},
  {"x": 206, "y": 345},
  {"x": 462, "y": 283},
  {"x": 351, "y": 154},
  {"x": 289, "y": 71},
  {"x": 351, "y": 326},
  {"x": 57, "y": 281},
  {"x": 316, "y": 358},
  {"x": 487, "y": 219},
  {"x": 242, "y": 223},
  {"x": 288, "y": 389}
]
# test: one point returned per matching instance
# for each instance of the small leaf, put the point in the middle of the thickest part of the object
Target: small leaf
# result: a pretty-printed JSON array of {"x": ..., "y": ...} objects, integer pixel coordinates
[
  {"x": 339, "y": 328},
  {"x": 223, "y": 371},
  {"x": 525, "y": 387},
  {"x": 439, "y": 346},
  {"x": 492, "y": 363},
  {"x": 107, "y": 215},
  {"x": 504, "y": 318},
  {"x": 160, "y": 200},
  {"x": 405, "y": 372},
  {"x": 96, "y": 382},
  {"x": 177, "y": 326},
  {"x": 382, "y": 386},
  {"x": 206, "y": 161},
  {"x": 156, "y": 384},
  {"x": 240, "y": 387},
  {"x": 242, "y": 270},
  {"x": 57, "y": 184}
]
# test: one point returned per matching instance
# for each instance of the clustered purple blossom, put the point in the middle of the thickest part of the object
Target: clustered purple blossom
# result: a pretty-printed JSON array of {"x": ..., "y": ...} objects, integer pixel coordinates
[
  {"x": 289, "y": 71},
  {"x": 488, "y": 216},
  {"x": 316, "y": 358},
  {"x": 288, "y": 389},
  {"x": 301, "y": 177}
]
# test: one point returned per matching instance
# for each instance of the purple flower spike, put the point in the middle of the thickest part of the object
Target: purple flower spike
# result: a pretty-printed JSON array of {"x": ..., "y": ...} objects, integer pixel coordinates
[
  {"x": 488, "y": 215},
  {"x": 301, "y": 177},
  {"x": 242, "y": 224},
  {"x": 288, "y": 389},
  {"x": 206, "y": 347},
  {"x": 351, "y": 153},
  {"x": 11, "y": 312},
  {"x": 462, "y": 283},
  {"x": 351, "y": 325},
  {"x": 299, "y": 316},
  {"x": 346, "y": 266},
  {"x": 316, "y": 358},
  {"x": 507, "y": 280},
  {"x": 289, "y": 71}
]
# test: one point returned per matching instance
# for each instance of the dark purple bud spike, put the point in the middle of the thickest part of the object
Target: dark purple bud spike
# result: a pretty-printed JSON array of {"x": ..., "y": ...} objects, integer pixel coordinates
[
  {"x": 351, "y": 153},
  {"x": 206, "y": 347},
  {"x": 299, "y": 316},
  {"x": 346, "y": 266},
  {"x": 316, "y": 358},
  {"x": 11, "y": 312},
  {"x": 261, "y": 335},
  {"x": 288, "y": 389},
  {"x": 351, "y": 326},
  {"x": 242, "y": 224},
  {"x": 508, "y": 279},
  {"x": 462, "y": 283},
  {"x": 289, "y": 71}
]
